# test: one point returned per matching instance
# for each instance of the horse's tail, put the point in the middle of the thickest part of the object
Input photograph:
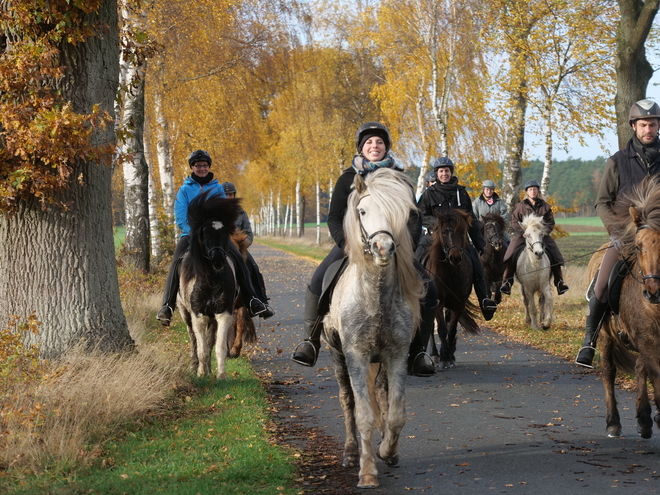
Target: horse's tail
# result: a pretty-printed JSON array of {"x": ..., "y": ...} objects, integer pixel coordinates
[
  {"x": 624, "y": 359},
  {"x": 249, "y": 330},
  {"x": 468, "y": 319}
]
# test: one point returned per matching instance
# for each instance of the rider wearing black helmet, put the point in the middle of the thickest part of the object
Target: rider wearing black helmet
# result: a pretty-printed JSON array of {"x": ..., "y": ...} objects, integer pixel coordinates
[
  {"x": 243, "y": 224},
  {"x": 533, "y": 203},
  {"x": 623, "y": 170},
  {"x": 372, "y": 142},
  {"x": 201, "y": 180},
  {"x": 442, "y": 196},
  {"x": 489, "y": 202}
]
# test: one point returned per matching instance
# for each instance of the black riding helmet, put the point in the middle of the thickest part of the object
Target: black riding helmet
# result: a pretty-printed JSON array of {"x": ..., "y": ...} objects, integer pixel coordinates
[
  {"x": 441, "y": 162},
  {"x": 369, "y": 129},
  {"x": 229, "y": 188},
  {"x": 431, "y": 177},
  {"x": 199, "y": 156},
  {"x": 531, "y": 183}
]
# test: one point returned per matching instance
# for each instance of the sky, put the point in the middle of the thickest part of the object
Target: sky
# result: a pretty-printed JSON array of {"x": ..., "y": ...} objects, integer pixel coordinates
[{"x": 534, "y": 143}]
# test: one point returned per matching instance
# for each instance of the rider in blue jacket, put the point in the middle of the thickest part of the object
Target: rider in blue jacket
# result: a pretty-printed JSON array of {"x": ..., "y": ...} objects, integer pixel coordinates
[{"x": 201, "y": 180}]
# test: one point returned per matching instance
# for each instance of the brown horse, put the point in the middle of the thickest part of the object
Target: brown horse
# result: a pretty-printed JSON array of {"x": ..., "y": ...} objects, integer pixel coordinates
[
  {"x": 631, "y": 340},
  {"x": 243, "y": 330},
  {"x": 493, "y": 230},
  {"x": 451, "y": 268}
]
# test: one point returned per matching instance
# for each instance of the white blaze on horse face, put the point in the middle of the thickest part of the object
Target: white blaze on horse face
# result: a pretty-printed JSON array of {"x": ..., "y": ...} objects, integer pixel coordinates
[
  {"x": 381, "y": 245},
  {"x": 217, "y": 225}
]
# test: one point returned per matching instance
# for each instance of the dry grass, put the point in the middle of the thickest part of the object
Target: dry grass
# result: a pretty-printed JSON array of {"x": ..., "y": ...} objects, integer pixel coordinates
[{"x": 63, "y": 416}]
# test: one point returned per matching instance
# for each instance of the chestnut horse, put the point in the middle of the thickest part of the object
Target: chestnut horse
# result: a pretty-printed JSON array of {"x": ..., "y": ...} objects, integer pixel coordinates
[{"x": 630, "y": 341}]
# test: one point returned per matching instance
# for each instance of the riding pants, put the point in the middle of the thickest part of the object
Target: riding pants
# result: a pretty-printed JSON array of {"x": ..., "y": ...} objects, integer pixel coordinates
[
  {"x": 172, "y": 283},
  {"x": 606, "y": 265}
]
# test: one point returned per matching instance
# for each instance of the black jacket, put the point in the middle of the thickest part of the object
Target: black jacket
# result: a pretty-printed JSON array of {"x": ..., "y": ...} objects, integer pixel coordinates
[
  {"x": 339, "y": 204},
  {"x": 440, "y": 198}
]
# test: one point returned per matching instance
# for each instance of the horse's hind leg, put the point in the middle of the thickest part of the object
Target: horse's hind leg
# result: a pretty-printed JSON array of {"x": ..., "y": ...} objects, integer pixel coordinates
[
  {"x": 443, "y": 335},
  {"x": 608, "y": 371},
  {"x": 644, "y": 422},
  {"x": 239, "y": 325},
  {"x": 452, "y": 338},
  {"x": 351, "y": 454}
]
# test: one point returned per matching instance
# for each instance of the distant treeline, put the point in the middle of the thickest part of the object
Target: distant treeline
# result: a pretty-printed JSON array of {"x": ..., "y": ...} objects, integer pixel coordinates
[{"x": 573, "y": 183}]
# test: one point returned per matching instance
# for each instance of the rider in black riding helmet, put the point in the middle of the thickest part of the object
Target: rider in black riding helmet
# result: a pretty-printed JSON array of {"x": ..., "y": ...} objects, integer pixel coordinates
[
  {"x": 442, "y": 196},
  {"x": 201, "y": 180},
  {"x": 623, "y": 170},
  {"x": 373, "y": 144}
]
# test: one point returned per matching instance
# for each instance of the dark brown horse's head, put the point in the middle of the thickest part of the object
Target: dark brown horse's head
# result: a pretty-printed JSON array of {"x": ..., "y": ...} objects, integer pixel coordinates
[
  {"x": 450, "y": 235},
  {"x": 492, "y": 228}
]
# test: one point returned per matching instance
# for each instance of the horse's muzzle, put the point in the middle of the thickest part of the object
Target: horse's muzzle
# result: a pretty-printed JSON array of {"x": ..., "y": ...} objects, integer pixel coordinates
[{"x": 382, "y": 249}]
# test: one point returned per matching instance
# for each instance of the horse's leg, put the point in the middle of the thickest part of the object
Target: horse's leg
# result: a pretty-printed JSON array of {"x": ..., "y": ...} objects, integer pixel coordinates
[
  {"x": 396, "y": 417},
  {"x": 364, "y": 419},
  {"x": 351, "y": 454},
  {"x": 443, "y": 333},
  {"x": 452, "y": 337},
  {"x": 531, "y": 316},
  {"x": 223, "y": 322},
  {"x": 655, "y": 379},
  {"x": 200, "y": 326},
  {"x": 194, "y": 360},
  {"x": 608, "y": 371},
  {"x": 546, "y": 306},
  {"x": 239, "y": 325},
  {"x": 644, "y": 421}
]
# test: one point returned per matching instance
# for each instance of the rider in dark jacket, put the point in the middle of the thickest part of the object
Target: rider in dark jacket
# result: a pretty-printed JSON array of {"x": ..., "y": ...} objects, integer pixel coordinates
[
  {"x": 623, "y": 170},
  {"x": 533, "y": 203},
  {"x": 199, "y": 181},
  {"x": 441, "y": 197},
  {"x": 373, "y": 146}
]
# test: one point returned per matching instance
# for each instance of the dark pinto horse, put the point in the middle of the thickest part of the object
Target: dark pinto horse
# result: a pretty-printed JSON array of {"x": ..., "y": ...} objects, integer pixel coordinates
[
  {"x": 208, "y": 288},
  {"x": 631, "y": 340},
  {"x": 451, "y": 268},
  {"x": 493, "y": 230}
]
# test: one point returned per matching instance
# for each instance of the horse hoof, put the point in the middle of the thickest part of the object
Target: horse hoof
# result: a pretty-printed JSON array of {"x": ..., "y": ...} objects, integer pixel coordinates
[
  {"x": 445, "y": 365},
  {"x": 452, "y": 364},
  {"x": 221, "y": 376},
  {"x": 368, "y": 481},
  {"x": 545, "y": 327},
  {"x": 234, "y": 352},
  {"x": 614, "y": 431},
  {"x": 350, "y": 461},
  {"x": 645, "y": 431}
]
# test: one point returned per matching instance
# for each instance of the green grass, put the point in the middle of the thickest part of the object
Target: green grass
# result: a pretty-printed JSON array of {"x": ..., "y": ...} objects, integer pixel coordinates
[
  {"x": 218, "y": 443},
  {"x": 314, "y": 252},
  {"x": 120, "y": 235},
  {"x": 585, "y": 221}
]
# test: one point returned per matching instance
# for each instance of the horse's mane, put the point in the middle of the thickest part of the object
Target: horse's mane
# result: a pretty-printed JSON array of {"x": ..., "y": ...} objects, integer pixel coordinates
[
  {"x": 532, "y": 220},
  {"x": 645, "y": 199},
  {"x": 495, "y": 218},
  {"x": 392, "y": 191},
  {"x": 207, "y": 206}
]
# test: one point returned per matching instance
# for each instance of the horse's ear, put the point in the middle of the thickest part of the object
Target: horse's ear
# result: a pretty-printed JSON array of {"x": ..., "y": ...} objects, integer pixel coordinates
[
  {"x": 634, "y": 214},
  {"x": 358, "y": 182}
]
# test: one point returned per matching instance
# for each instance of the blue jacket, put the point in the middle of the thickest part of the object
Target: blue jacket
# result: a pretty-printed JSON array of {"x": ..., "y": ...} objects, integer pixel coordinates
[{"x": 187, "y": 192}]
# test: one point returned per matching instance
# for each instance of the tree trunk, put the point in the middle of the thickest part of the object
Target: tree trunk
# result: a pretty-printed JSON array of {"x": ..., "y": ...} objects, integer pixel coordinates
[
  {"x": 515, "y": 144},
  {"x": 136, "y": 174},
  {"x": 165, "y": 168},
  {"x": 318, "y": 212},
  {"x": 57, "y": 263},
  {"x": 633, "y": 71},
  {"x": 299, "y": 214},
  {"x": 547, "y": 165}
]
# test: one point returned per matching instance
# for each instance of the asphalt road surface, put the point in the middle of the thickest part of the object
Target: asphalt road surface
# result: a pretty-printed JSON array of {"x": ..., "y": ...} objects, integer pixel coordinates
[{"x": 508, "y": 419}]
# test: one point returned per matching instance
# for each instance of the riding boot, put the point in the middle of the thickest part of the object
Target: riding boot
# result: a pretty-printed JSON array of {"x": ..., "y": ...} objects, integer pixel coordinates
[
  {"x": 562, "y": 286},
  {"x": 307, "y": 351},
  {"x": 172, "y": 284},
  {"x": 255, "y": 306},
  {"x": 595, "y": 317},
  {"x": 419, "y": 362},
  {"x": 487, "y": 305},
  {"x": 507, "y": 278}
]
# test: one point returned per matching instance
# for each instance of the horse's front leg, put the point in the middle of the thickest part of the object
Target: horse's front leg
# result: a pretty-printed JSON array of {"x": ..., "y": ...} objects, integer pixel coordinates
[
  {"x": 351, "y": 454},
  {"x": 443, "y": 333},
  {"x": 364, "y": 419},
  {"x": 644, "y": 422},
  {"x": 223, "y": 322},
  {"x": 531, "y": 316},
  {"x": 452, "y": 337},
  {"x": 194, "y": 360},
  {"x": 546, "y": 307},
  {"x": 396, "y": 411},
  {"x": 608, "y": 373},
  {"x": 200, "y": 326}
]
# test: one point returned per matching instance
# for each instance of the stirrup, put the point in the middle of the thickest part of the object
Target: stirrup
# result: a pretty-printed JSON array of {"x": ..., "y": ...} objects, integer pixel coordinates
[
  {"x": 506, "y": 288},
  {"x": 562, "y": 287},
  {"x": 164, "y": 315},
  {"x": 256, "y": 302},
  {"x": 587, "y": 363},
  {"x": 302, "y": 354}
]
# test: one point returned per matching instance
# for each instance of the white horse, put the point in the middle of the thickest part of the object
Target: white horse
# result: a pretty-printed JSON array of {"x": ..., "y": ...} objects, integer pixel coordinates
[
  {"x": 533, "y": 274},
  {"x": 374, "y": 310}
]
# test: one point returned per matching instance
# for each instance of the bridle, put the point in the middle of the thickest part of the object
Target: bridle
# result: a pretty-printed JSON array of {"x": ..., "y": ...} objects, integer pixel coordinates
[
  {"x": 452, "y": 246},
  {"x": 530, "y": 246},
  {"x": 366, "y": 237},
  {"x": 494, "y": 235},
  {"x": 644, "y": 278}
]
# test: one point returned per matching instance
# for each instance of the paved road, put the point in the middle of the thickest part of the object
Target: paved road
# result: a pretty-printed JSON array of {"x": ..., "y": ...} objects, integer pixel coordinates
[{"x": 509, "y": 419}]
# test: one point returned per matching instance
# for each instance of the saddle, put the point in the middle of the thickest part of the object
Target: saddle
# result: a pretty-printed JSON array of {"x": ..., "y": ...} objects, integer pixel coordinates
[
  {"x": 330, "y": 279},
  {"x": 618, "y": 274}
]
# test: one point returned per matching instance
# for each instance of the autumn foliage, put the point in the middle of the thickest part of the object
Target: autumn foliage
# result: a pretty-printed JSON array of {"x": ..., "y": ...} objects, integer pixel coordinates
[{"x": 41, "y": 134}]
